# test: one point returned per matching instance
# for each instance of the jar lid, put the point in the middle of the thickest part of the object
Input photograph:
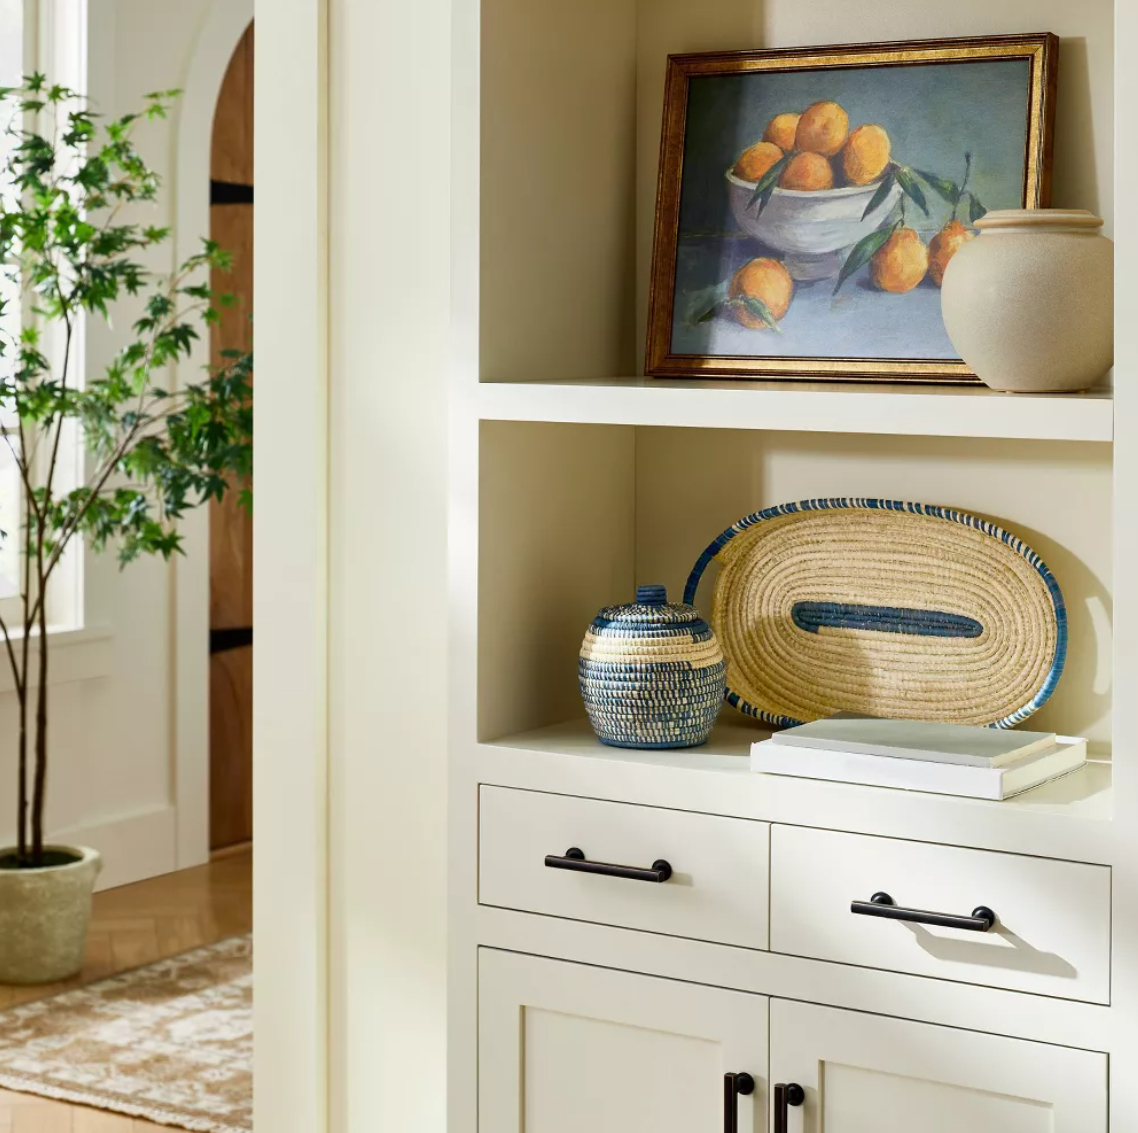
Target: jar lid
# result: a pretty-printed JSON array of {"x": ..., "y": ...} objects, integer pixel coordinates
[
  {"x": 650, "y": 608},
  {"x": 1038, "y": 218}
]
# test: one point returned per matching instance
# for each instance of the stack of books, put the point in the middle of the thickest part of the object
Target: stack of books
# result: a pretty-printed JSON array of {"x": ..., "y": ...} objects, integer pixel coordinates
[{"x": 946, "y": 759}]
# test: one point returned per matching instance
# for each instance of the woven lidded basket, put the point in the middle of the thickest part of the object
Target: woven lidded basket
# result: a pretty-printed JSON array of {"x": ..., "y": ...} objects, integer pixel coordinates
[
  {"x": 651, "y": 674},
  {"x": 892, "y": 609}
]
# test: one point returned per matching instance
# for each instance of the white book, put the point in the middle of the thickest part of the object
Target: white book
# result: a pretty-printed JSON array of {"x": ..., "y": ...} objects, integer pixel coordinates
[
  {"x": 1067, "y": 754},
  {"x": 964, "y": 744}
]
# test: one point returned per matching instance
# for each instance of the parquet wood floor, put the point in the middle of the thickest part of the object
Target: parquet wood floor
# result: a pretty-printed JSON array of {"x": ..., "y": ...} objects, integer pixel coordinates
[{"x": 131, "y": 926}]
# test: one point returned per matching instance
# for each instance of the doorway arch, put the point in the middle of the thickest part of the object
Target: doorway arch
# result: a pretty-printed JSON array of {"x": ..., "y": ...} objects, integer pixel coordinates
[{"x": 222, "y": 32}]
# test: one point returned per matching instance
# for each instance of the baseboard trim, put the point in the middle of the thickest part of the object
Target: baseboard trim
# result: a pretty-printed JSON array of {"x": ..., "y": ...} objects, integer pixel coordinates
[
  {"x": 230, "y": 851},
  {"x": 134, "y": 847}
]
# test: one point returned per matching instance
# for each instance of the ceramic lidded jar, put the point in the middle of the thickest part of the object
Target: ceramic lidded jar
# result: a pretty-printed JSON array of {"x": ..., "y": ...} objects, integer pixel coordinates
[
  {"x": 652, "y": 674},
  {"x": 1029, "y": 304}
]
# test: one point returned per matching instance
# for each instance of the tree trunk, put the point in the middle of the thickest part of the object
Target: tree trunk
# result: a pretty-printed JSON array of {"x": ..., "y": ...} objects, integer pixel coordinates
[
  {"x": 22, "y": 816},
  {"x": 22, "y": 689},
  {"x": 39, "y": 798}
]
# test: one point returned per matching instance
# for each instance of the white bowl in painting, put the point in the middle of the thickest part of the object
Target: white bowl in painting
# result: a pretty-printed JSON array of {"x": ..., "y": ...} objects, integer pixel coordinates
[{"x": 814, "y": 231}]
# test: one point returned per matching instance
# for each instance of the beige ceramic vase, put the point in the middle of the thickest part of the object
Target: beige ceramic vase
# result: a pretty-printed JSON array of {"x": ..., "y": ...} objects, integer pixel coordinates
[
  {"x": 1029, "y": 304},
  {"x": 44, "y": 915}
]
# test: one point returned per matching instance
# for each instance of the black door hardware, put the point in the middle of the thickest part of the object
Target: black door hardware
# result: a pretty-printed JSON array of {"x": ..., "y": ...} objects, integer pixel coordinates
[
  {"x": 786, "y": 1094},
  {"x": 881, "y": 905},
  {"x": 574, "y": 859},
  {"x": 733, "y": 1086}
]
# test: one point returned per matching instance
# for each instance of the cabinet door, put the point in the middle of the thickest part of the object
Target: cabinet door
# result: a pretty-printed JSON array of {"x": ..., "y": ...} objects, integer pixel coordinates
[
  {"x": 869, "y": 1074},
  {"x": 565, "y": 1048}
]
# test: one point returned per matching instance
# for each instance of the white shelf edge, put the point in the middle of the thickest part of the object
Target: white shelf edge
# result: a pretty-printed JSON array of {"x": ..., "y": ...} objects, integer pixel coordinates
[
  {"x": 934, "y": 411},
  {"x": 1069, "y": 818}
]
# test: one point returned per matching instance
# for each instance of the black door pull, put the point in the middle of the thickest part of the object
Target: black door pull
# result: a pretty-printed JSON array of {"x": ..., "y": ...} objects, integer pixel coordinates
[
  {"x": 733, "y": 1086},
  {"x": 786, "y": 1094},
  {"x": 881, "y": 905},
  {"x": 575, "y": 860}
]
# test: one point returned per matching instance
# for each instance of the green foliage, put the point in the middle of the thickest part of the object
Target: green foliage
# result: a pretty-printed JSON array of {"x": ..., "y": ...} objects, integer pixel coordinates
[
  {"x": 755, "y": 306},
  {"x": 907, "y": 179},
  {"x": 711, "y": 302},
  {"x": 946, "y": 189},
  {"x": 865, "y": 249},
  {"x": 74, "y": 243},
  {"x": 883, "y": 190},
  {"x": 765, "y": 186}
]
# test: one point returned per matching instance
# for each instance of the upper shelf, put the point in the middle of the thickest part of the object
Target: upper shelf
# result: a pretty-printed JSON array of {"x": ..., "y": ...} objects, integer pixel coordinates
[{"x": 826, "y": 407}]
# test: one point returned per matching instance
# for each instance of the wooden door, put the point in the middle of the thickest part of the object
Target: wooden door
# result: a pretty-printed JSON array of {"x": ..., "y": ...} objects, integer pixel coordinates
[
  {"x": 565, "y": 1048},
  {"x": 230, "y": 526},
  {"x": 870, "y": 1074}
]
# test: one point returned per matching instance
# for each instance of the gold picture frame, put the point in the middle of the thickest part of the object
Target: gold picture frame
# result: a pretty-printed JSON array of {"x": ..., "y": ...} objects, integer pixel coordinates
[{"x": 1004, "y": 90}]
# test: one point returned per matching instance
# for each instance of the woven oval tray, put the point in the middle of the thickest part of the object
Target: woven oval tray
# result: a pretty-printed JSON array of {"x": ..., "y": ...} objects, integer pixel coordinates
[{"x": 893, "y": 609}]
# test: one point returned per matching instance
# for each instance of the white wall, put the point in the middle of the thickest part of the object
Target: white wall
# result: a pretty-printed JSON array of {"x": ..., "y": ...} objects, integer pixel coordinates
[{"x": 112, "y": 746}]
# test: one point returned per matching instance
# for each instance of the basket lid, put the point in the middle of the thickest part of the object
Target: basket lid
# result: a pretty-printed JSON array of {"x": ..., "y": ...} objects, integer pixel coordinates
[{"x": 650, "y": 608}]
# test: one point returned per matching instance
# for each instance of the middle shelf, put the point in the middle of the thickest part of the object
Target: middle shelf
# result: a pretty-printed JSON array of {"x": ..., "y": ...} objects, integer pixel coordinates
[
  {"x": 1067, "y": 818},
  {"x": 812, "y": 407}
]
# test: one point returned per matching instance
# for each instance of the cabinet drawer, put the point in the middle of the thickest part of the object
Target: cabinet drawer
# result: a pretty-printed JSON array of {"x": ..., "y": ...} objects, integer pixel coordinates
[
  {"x": 1051, "y": 937},
  {"x": 717, "y": 891}
]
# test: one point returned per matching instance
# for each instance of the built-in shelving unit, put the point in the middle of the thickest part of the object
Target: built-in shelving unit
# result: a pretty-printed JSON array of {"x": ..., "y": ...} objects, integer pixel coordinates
[{"x": 574, "y": 478}]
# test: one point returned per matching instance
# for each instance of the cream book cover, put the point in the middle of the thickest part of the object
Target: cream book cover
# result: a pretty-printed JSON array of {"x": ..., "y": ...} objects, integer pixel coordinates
[
  {"x": 916, "y": 739},
  {"x": 1067, "y": 754}
]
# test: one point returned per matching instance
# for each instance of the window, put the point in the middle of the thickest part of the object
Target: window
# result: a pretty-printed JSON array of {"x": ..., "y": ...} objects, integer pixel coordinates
[
  {"x": 12, "y": 31},
  {"x": 49, "y": 36}
]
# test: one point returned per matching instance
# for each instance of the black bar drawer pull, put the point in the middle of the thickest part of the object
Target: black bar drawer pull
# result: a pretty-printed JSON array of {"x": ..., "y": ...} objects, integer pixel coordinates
[
  {"x": 786, "y": 1094},
  {"x": 881, "y": 905},
  {"x": 733, "y": 1086},
  {"x": 575, "y": 860}
]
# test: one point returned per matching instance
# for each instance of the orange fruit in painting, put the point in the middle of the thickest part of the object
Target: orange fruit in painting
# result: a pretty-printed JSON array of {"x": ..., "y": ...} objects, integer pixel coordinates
[
  {"x": 754, "y": 162},
  {"x": 807, "y": 171},
  {"x": 822, "y": 128},
  {"x": 865, "y": 155},
  {"x": 764, "y": 279},
  {"x": 944, "y": 245},
  {"x": 901, "y": 262},
  {"x": 781, "y": 130}
]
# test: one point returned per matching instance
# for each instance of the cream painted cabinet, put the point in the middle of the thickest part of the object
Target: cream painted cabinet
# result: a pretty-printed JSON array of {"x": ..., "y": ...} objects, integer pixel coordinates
[
  {"x": 870, "y": 1074},
  {"x": 567, "y": 1048}
]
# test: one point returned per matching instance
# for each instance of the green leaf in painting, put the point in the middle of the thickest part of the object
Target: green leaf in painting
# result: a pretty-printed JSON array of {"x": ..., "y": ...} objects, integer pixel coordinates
[
  {"x": 755, "y": 306},
  {"x": 945, "y": 188},
  {"x": 883, "y": 190},
  {"x": 912, "y": 189},
  {"x": 975, "y": 208},
  {"x": 765, "y": 185},
  {"x": 704, "y": 305},
  {"x": 864, "y": 251}
]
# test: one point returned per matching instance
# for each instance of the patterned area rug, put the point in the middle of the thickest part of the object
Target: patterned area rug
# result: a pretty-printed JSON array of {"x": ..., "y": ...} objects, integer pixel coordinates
[{"x": 171, "y": 1042}]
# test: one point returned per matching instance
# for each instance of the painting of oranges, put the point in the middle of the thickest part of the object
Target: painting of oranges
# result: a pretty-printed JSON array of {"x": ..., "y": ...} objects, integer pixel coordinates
[{"x": 817, "y": 208}]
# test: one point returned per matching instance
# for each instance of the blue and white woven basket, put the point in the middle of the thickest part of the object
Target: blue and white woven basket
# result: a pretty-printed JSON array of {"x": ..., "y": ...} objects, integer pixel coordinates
[
  {"x": 651, "y": 674},
  {"x": 894, "y": 609}
]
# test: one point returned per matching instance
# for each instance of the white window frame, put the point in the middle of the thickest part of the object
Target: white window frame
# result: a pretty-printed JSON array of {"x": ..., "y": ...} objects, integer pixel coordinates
[{"x": 55, "y": 42}]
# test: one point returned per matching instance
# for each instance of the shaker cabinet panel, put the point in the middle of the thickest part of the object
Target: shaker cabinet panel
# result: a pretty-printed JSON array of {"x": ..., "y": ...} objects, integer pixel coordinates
[
  {"x": 870, "y": 1074},
  {"x": 566, "y": 1048},
  {"x": 719, "y": 867}
]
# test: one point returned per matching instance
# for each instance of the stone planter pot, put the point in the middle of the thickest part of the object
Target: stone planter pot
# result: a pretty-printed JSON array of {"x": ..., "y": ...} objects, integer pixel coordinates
[
  {"x": 1030, "y": 303},
  {"x": 44, "y": 915}
]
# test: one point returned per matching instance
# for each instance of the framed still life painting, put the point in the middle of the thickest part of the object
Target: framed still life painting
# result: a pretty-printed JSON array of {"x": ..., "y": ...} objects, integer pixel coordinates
[{"x": 810, "y": 200}]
